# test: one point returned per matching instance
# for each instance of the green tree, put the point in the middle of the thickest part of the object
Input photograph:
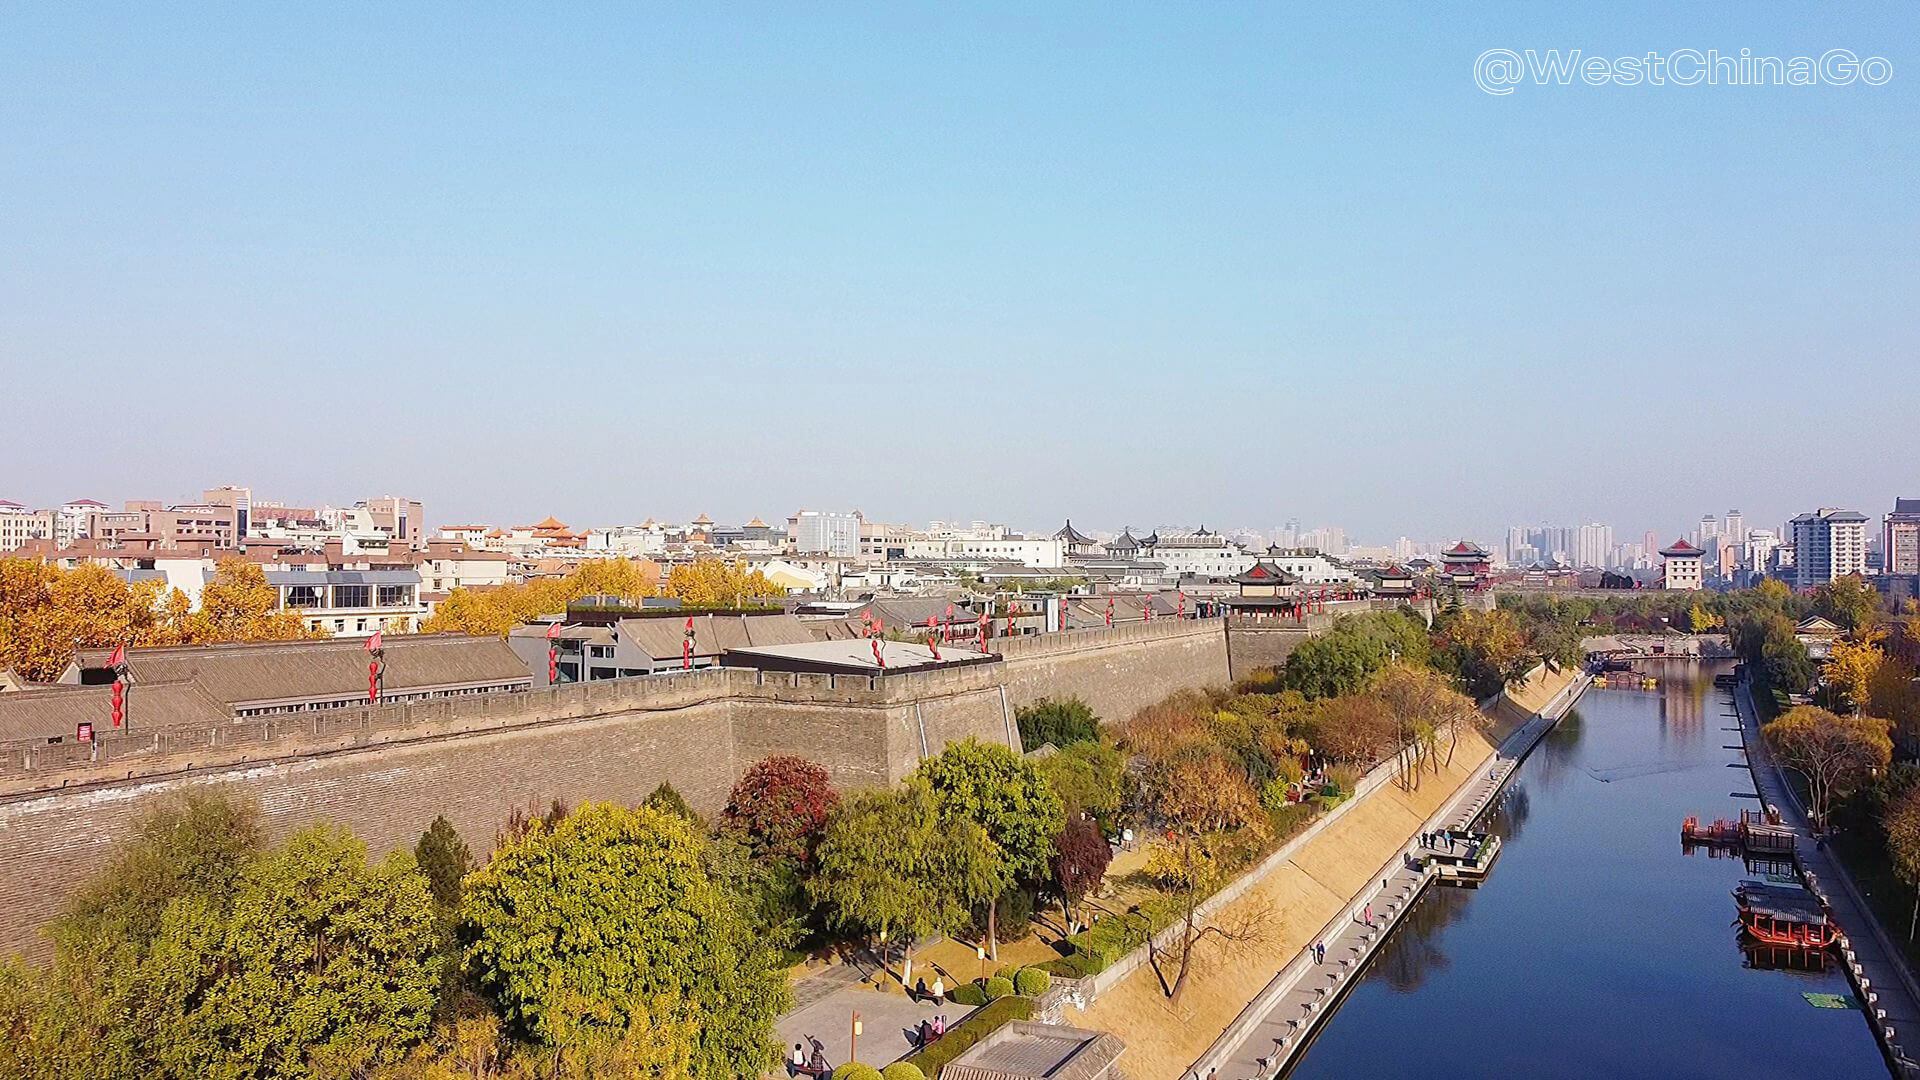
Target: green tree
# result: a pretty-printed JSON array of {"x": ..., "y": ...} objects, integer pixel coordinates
[
  {"x": 444, "y": 859},
  {"x": 1902, "y": 823},
  {"x": 1005, "y": 794},
  {"x": 325, "y": 964},
  {"x": 668, "y": 800},
  {"x": 614, "y": 907},
  {"x": 890, "y": 861},
  {"x": 1089, "y": 777},
  {"x": 1850, "y": 601},
  {"x": 1061, "y": 723},
  {"x": 1346, "y": 657}
]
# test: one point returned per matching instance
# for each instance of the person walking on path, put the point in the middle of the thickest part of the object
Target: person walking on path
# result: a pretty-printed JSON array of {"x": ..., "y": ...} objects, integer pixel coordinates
[{"x": 1367, "y": 914}]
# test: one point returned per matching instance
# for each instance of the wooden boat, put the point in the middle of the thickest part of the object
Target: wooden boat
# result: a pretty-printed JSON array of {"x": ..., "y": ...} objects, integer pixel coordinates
[{"x": 1782, "y": 915}]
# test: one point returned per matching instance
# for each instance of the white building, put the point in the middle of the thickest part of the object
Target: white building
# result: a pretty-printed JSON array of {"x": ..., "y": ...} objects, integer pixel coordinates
[
  {"x": 1196, "y": 554},
  {"x": 1311, "y": 567},
  {"x": 1593, "y": 546},
  {"x": 823, "y": 532},
  {"x": 1683, "y": 566},
  {"x": 351, "y": 603},
  {"x": 18, "y": 525},
  {"x": 1828, "y": 544},
  {"x": 1047, "y": 552},
  {"x": 70, "y": 521}
]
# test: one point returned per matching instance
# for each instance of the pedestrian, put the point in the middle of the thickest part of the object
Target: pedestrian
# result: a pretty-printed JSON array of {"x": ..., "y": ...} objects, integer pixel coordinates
[
  {"x": 1320, "y": 952},
  {"x": 1367, "y": 913},
  {"x": 939, "y": 988},
  {"x": 920, "y": 989},
  {"x": 799, "y": 1061}
]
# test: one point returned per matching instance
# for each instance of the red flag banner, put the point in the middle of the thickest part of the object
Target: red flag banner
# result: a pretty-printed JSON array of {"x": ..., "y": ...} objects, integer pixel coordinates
[
  {"x": 119, "y": 657},
  {"x": 373, "y": 643}
]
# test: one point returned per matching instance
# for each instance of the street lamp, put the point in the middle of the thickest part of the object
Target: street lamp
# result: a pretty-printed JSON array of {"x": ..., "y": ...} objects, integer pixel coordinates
[
  {"x": 980, "y": 952},
  {"x": 853, "y": 1042}
]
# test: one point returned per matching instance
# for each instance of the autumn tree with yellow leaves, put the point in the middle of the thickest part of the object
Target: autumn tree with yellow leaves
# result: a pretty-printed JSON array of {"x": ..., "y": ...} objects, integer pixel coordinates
[
  {"x": 707, "y": 583},
  {"x": 47, "y": 614}
]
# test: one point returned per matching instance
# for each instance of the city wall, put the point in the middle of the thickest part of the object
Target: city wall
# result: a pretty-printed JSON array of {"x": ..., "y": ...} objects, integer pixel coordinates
[{"x": 387, "y": 771}]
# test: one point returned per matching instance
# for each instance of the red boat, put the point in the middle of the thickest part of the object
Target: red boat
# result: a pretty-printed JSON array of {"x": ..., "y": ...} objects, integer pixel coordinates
[{"x": 1783, "y": 915}]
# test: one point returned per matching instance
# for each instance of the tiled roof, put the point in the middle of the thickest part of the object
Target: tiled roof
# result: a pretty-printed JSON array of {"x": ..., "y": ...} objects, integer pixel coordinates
[{"x": 57, "y": 712}]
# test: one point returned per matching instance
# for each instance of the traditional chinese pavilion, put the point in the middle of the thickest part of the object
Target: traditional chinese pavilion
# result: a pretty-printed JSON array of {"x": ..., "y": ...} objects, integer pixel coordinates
[{"x": 1466, "y": 565}]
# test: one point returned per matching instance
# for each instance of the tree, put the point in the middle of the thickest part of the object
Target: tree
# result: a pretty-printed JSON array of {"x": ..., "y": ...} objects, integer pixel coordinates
[
  {"x": 1090, "y": 779},
  {"x": 668, "y": 800},
  {"x": 1426, "y": 711},
  {"x": 778, "y": 808},
  {"x": 609, "y": 912},
  {"x": 323, "y": 958},
  {"x": 1902, "y": 824},
  {"x": 1356, "y": 729},
  {"x": 890, "y": 862},
  {"x": 1005, "y": 794},
  {"x": 717, "y": 583},
  {"x": 443, "y": 859},
  {"x": 1062, "y": 723},
  {"x": 1833, "y": 754},
  {"x": 1080, "y": 857},
  {"x": 1766, "y": 641},
  {"x": 1203, "y": 796},
  {"x": 1486, "y": 650},
  {"x": 1342, "y": 660},
  {"x": 1892, "y": 695},
  {"x": 1850, "y": 669},
  {"x": 237, "y": 604},
  {"x": 1850, "y": 601}
]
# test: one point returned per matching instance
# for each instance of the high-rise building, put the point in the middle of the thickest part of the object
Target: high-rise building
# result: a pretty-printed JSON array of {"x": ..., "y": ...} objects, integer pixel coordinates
[
  {"x": 1900, "y": 538},
  {"x": 1735, "y": 528},
  {"x": 1828, "y": 544},
  {"x": 1709, "y": 528},
  {"x": 1593, "y": 546},
  {"x": 70, "y": 521},
  {"x": 19, "y": 525},
  {"x": 823, "y": 532}
]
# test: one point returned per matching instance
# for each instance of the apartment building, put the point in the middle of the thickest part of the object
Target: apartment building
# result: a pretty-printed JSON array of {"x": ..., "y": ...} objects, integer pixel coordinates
[{"x": 1827, "y": 544}]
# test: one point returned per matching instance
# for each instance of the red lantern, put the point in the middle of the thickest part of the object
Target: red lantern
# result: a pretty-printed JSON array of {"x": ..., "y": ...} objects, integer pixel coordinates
[
  {"x": 1181, "y": 611},
  {"x": 686, "y": 647},
  {"x": 119, "y": 702},
  {"x": 1109, "y": 611},
  {"x": 878, "y": 658}
]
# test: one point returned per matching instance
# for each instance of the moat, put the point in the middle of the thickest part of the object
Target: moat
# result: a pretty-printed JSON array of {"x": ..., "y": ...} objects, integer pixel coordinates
[{"x": 1598, "y": 949}]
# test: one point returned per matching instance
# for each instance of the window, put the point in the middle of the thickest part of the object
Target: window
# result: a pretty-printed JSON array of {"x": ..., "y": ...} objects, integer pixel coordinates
[
  {"x": 396, "y": 596},
  {"x": 303, "y": 596},
  {"x": 352, "y": 596}
]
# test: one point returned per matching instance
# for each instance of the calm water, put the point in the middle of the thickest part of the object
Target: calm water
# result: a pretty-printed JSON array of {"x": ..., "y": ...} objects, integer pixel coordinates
[{"x": 1598, "y": 949}]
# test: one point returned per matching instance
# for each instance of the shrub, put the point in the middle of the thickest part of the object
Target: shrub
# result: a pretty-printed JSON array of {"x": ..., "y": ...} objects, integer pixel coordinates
[
  {"x": 1061, "y": 723},
  {"x": 902, "y": 1070},
  {"x": 854, "y": 1070},
  {"x": 968, "y": 994},
  {"x": 1031, "y": 982},
  {"x": 998, "y": 988},
  {"x": 1006, "y": 971},
  {"x": 961, "y": 1037}
]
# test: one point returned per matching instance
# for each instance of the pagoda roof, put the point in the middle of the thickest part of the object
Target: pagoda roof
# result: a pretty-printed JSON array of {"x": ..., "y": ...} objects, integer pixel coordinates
[
  {"x": 1680, "y": 549},
  {"x": 1466, "y": 547},
  {"x": 1072, "y": 535},
  {"x": 1150, "y": 539},
  {"x": 703, "y": 520},
  {"x": 550, "y": 523},
  {"x": 1264, "y": 573},
  {"x": 756, "y": 523},
  {"x": 1124, "y": 542}
]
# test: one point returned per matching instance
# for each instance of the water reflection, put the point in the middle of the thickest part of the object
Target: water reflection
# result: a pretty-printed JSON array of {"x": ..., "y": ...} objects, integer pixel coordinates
[{"x": 1414, "y": 952}]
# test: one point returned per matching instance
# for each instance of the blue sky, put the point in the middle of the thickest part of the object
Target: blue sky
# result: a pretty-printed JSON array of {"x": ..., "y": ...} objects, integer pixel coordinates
[{"x": 1132, "y": 263}]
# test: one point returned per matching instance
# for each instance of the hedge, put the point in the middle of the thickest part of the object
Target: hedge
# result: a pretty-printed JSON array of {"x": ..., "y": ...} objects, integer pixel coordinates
[
  {"x": 962, "y": 1036},
  {"x": 969, "y": 994},
  {"x": 854, "y": 1070},
  {"x": 998, "y": 988},
  {"x": 1031, "y": 982},
  {"x": 901, "y": 1070}
]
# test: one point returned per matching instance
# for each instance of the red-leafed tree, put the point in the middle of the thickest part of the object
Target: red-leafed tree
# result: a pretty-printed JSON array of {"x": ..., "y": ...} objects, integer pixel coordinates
[
  {"x": 779, "y": 808},
  {"x": 1080, "y": 857}
]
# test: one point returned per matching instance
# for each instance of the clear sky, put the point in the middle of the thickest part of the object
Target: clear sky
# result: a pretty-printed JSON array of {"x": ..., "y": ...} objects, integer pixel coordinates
[{"x": 1132, "y": 263}]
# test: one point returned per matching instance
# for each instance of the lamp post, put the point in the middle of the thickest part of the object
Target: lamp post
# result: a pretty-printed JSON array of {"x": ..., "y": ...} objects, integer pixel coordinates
[
  {"x": 853, "y": 1041},
  {"x": 980, "y": 952}
]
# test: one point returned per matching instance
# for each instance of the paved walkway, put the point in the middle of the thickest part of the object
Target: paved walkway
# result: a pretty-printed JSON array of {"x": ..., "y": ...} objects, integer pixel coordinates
[
  {"x": 1874, "y": 961},
  {"x": 1272, "y": 1028}
]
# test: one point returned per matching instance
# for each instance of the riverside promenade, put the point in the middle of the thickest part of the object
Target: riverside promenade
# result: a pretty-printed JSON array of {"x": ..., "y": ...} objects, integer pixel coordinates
[
  {"x": 1267, "y": 1035},
  {"x": 1879, "y": 972}
]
